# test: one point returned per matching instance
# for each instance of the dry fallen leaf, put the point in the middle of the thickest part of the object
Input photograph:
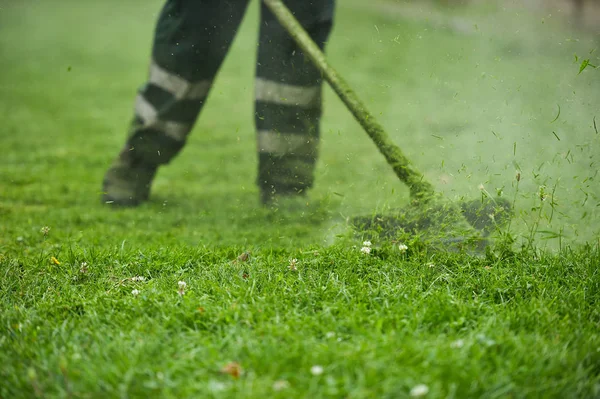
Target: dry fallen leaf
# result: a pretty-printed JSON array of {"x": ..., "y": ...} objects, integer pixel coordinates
[
  {"x": 243, "y": 257},
  {"x": 233, "y": 369}
]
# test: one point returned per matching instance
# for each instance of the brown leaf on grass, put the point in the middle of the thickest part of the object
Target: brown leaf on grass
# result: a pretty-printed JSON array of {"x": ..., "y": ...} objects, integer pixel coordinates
[
  {"x": 233, "y": 369},
  {"x": 243, "y": 257}
]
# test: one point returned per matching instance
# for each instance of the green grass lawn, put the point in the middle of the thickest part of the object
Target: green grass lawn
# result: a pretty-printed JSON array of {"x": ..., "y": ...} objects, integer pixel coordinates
[{"x": 472, "y": 96}]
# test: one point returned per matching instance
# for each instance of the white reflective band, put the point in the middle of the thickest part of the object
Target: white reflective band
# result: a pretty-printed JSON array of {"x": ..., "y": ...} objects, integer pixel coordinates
[
  {"x": 144, "y": 109},
  {"x": 286, "y": 143},
  {"x": 281, "y": 93},
  {"x": 179, "y": 87},
  {"x": 176, "y": 130}
]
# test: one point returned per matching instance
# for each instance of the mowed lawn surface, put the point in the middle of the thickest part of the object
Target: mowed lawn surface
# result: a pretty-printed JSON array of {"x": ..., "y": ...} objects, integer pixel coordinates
[{"x": 473, "y": 96}]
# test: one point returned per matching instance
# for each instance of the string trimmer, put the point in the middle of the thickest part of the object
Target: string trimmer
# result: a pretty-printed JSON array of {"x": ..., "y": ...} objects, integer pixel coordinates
[{"x": 428, "y": 214}]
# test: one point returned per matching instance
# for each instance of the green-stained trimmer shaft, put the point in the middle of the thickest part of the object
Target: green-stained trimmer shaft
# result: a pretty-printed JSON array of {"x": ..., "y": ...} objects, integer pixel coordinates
[{"x": 419, "y": 188}]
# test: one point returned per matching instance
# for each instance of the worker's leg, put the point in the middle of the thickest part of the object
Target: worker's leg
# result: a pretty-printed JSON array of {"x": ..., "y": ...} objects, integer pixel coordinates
[
  {"x": 288, "y": 100},
  {"x": 191, "y": 40}
]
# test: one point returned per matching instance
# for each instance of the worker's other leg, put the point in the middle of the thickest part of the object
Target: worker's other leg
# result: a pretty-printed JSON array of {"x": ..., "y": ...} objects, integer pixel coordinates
[
  {"x": 288, "y": 100},
  {"x": 190, "y": 42}
]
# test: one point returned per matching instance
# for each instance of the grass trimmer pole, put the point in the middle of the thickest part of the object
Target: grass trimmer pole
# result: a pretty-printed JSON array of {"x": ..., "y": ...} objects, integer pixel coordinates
[{"x": 419, "y": 188}]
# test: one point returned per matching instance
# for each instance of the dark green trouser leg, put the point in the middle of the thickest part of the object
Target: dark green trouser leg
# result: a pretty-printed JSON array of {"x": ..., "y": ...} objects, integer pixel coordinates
[
  {"x": 288, "y": 99},
  {"x": 191, "y": 40}
]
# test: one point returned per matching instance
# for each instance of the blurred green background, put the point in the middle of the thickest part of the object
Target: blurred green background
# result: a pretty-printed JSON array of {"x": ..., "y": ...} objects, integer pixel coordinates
[{"x": 469, "y": 90}]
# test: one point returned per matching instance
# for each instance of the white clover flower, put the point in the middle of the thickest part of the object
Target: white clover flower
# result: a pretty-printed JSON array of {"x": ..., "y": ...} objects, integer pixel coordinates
[
  {"x": 138, "y": 278},
  {"x": 216, "y": 386},
  {"x": 367, "y": 243},
  {"x": 84, "y": 268},
  {"x": 365, "y": 250},
  {"x": 459, "y": 343},
  {"x": 280, "y": 385},
  {"x": 316, "y": 370},
  {"x": 418, "y": 391},
  {"x": 293, "y": 263},
  {"x": 402, "y": 247},
  {"x": 181, "y": 287},
  {"x": 45, "y": 230},
  {"x": 135, "y": 292}
]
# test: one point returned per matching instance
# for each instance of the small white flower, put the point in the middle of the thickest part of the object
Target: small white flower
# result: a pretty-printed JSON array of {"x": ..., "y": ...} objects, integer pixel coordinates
[
  {"x": 181, "y": 287},
  {"x": 402, "y": 247},
  {"x": 293, "y": 263},
  {"x": 316, "y": 370},
  {"x": 135, "y": 292},
  {"x": 330, "y": 334},
  {"x": 45, "y": 230},
  {"x": 485, "y": 340},
  {"x": 280, "y": 385},
  {"x": 84, "y": 268},
  {"x": 138, "y": 278},
  {"x": 365, "y": 250},
  {"x": 418, "y": 391},
  {"x": 367, "y": 244},
  {"x": 481, "y": 187},
  {"x": 459, "y": 343},
  {"x": 216, "y": 386}
]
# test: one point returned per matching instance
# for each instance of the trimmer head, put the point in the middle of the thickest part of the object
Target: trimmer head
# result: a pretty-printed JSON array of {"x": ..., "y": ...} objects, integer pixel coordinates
[{"x": 455, "y": 226}]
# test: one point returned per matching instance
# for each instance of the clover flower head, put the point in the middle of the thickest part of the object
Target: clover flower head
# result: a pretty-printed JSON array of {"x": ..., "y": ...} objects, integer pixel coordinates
[
  {"x": 419, "y": 391},
  {"x": 280, "y": 385},
  {"x": 292, "y": 265},
  {"x": 181, "y": 287},
  {"x": 83, "y": 269}
]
